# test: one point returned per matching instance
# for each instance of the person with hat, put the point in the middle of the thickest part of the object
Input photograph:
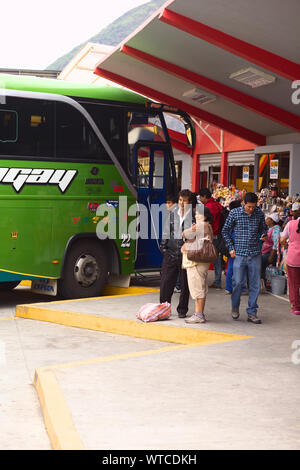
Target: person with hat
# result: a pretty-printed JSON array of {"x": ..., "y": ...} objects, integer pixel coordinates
[
  {"x": 270, "y": 245},
  {"x": 295, "y": 210},
  {"x": 291, "y": 234}
]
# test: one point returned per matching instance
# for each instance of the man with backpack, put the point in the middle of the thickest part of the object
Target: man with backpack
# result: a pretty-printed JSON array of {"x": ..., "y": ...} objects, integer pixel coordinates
[{"x": 216, "y": 210}]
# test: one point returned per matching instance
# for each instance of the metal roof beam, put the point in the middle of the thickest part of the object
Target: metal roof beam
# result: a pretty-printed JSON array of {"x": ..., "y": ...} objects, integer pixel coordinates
[
  {"x": 265, "y": 59},
  {"x": 217, "y": 121},
  {"x": 263, "y": 108}
]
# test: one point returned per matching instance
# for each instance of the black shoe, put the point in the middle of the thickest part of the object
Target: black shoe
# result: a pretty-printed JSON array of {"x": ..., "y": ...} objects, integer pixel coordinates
[
  {"x": 181, "y": 315},
  {"x": 235, "y": 314},
  {"x": 254, "y": 319}
]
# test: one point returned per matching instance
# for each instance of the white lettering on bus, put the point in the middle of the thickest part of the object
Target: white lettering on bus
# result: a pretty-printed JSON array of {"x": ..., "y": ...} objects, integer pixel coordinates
[{"x": 20, "y": 176}]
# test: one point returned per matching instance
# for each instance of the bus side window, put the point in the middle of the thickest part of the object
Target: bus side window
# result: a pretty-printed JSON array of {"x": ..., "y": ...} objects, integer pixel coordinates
[
  {"x": 27, "y": 128},
  {"x": 8, "y": 125},
  {"x": 110, "y": 122},
  {"x": 75, "y": 139}
]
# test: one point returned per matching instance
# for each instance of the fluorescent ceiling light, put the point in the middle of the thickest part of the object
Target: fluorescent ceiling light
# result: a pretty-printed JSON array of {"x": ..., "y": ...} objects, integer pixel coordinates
[
  {"x": 253, "y": 77},
  {"x": 200, "y": 96}
]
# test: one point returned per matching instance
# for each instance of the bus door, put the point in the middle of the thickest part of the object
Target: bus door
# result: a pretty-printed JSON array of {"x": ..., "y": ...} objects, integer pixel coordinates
[{"x": 150, "y": 164}]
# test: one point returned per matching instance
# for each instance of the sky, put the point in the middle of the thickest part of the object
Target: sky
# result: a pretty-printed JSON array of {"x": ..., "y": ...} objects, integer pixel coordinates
[{"x": 33, "y": 33}]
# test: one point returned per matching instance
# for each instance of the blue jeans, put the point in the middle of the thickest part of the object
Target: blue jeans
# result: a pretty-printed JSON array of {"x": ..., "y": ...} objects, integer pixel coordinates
[
  {"x": 229, "y": 274},
  {"x": 242, "y": 265}
]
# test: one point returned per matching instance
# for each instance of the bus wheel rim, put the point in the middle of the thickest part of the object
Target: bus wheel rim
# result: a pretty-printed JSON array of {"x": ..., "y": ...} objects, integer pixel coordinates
[{"x": 86, "y": 270}]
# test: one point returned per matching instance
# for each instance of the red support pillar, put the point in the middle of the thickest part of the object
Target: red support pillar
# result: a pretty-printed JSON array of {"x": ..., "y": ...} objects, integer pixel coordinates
[
  {"x": 195, "y": 172},
  {"x": 224, "y": 169},
  {"x": 233, "y": 175}
]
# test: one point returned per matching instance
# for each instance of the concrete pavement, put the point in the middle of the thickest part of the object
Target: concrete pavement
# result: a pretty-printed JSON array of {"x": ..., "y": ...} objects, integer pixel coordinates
[{"x": 100, "y": 382}]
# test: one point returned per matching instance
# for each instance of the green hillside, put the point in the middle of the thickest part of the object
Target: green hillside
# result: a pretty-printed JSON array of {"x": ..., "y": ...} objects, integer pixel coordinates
[{"x": 114, "y": 33}]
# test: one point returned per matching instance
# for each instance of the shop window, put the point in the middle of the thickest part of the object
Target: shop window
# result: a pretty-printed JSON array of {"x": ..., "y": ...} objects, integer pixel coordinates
[
  {"x": 214, "y": 177},
  {"x": 273, "y": 172},
  {"x": 241, "y": 177}
]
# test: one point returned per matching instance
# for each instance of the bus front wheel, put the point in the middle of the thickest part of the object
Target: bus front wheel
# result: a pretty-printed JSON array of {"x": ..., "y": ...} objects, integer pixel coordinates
[{"x": 85, "y": 271}]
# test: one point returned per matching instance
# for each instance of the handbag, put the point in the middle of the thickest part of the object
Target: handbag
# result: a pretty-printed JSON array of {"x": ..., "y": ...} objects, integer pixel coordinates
[{"x": 207, "y": 253}]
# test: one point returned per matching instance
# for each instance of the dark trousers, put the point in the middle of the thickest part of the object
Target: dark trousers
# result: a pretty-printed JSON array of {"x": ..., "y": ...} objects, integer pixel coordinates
[{"x": 170, "y": 269}]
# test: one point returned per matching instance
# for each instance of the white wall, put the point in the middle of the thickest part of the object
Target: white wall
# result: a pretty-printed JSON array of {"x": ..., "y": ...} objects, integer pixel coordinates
[
  {"x": 187, "y": 162},
  {"x": 294, "y": 187},
  {"x": 293, "y": 138}
]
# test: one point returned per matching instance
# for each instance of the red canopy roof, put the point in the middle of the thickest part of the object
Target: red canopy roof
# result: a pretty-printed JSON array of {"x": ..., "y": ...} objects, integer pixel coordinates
[{"x": 190, "y": 53}]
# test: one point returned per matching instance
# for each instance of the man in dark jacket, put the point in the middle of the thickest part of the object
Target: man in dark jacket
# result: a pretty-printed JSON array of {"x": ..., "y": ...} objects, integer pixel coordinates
[
  {"x": 180, "y": 216},
  {"x": 216, "y": 211}
]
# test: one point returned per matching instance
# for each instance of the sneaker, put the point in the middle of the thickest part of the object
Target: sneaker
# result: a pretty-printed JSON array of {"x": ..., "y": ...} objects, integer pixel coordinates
[
  {"x": 216, "y": 287},
  {"x": 295, "y": 312},
  {"x": 196, "y": 318},
  {"x": 235, "y": 314},
  {"x": 227, "y": 292},
  {"x": 177, "y": 291},
  {"x": 254, "y": 319}
]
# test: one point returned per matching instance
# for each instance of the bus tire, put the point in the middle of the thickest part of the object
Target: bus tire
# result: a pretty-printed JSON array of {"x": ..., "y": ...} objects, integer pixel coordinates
[
  {"x": 7, "y": 286},
  {"x": 85, "y": 271}
]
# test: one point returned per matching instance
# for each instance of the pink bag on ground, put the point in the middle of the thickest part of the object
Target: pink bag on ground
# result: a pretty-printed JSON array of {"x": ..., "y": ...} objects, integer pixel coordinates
[{"x": 153, "y": 312}]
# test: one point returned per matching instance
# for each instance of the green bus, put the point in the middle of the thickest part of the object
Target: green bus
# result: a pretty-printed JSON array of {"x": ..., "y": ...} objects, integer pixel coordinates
[{"x": 66, "y": 149}]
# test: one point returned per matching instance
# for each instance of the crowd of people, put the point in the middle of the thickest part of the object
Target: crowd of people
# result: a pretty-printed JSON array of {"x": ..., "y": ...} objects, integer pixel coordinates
[{"x": 243, "y": 235}]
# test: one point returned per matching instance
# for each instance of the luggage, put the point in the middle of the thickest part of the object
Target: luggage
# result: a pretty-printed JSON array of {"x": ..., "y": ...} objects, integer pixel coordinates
[{"x": 154, "y": 312}]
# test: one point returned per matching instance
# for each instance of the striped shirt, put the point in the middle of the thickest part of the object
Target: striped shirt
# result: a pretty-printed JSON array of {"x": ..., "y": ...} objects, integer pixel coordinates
[{"x": 247, "y": 230}]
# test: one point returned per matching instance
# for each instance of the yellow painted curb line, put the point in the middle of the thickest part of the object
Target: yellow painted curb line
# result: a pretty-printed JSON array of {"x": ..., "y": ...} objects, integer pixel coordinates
[
  {"x": 154, "y": 331},
  {"x": 57, "y": 417},
  {"x": 58, "y": 420},
  {"x": 132, "y": 290}
]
